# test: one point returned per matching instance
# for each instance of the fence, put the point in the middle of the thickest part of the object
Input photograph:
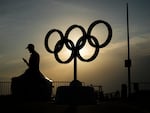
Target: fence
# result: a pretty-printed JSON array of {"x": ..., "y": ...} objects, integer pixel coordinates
[
  {"x": 140, "y": 86},
  {"x": 5, "y": 86}
]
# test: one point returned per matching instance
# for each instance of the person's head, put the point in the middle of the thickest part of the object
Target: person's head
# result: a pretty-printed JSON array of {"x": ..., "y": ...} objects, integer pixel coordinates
[{"x": 30, "y": 47}]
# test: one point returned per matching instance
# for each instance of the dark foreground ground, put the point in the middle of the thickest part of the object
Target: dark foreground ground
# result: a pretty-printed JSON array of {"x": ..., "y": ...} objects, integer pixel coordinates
[{"x": 112, "y": 106}]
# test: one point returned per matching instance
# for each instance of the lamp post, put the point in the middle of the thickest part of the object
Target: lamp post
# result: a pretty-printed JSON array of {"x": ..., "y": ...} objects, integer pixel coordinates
[{"x": 128, "y": 61}]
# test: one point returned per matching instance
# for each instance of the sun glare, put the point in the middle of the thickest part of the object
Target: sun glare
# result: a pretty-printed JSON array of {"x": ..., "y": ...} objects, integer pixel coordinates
[{"x": 85, "y": 52}]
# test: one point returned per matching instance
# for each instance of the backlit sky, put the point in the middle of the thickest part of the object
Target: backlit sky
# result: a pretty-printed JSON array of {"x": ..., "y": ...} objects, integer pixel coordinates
[{"x": 28, "y": 21}]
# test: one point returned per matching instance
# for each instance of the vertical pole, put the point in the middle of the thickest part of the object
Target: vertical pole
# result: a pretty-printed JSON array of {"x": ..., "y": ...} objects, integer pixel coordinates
[
  {"x": 75, "y": 68},
  {"x": 129, "y": 61}
]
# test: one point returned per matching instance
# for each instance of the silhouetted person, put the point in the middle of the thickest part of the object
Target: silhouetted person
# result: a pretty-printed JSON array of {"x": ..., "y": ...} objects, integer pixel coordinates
[
  {"x": 33, "y": 71},
  {"x": 31, "y": 85},
  {"x": 34, "y": 60}
]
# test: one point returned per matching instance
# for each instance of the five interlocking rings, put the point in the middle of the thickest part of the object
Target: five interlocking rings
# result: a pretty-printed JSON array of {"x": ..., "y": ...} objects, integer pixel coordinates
[{"x": 80, "y": 43}]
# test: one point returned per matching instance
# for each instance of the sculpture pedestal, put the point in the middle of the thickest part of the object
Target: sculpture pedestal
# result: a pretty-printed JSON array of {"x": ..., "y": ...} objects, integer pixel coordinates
[
  {"x": 75, "y": 95},
  {"x": 31, "y": 87}
]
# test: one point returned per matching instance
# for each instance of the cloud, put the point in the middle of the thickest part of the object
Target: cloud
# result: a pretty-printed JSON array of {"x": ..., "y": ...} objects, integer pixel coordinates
[{"x": 140, "y": 45}]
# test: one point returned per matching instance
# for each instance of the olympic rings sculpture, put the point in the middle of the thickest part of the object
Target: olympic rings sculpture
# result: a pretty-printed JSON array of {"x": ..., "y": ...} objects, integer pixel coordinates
[{"x": 86, "y": 36}]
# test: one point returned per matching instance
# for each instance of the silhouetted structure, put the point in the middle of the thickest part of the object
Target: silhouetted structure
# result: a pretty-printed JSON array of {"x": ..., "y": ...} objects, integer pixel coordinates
[
  {"x": 123, "y": 91},
  {"x": 76, "y": 93},
  {"x": 136, "y": 87},
  {"x": 31, "y": 85}
]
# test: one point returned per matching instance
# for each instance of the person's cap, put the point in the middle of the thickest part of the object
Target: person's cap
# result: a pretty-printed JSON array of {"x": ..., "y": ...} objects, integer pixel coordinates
[{"x": 30, "y": 46}]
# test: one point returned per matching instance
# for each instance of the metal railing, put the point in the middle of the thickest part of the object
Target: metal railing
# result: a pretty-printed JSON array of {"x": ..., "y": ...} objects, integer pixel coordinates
[
  {"x": 5, "y": 86},
  {"x": 140, "y": 86}
]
